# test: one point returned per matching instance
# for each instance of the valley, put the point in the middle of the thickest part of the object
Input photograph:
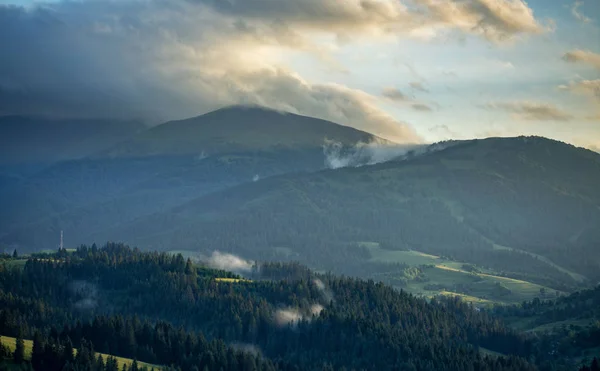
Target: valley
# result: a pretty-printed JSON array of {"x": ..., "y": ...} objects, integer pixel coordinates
[{"x": 306, "y": 247}]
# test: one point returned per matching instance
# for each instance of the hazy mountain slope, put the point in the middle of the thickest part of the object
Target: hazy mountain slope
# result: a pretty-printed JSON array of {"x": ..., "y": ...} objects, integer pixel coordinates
[
  {"x": 468, "y": 201},
  {"x": 27, "y": 140},
  {"x": 237, "y": 129},
  {"x": 163, "y": 167}
]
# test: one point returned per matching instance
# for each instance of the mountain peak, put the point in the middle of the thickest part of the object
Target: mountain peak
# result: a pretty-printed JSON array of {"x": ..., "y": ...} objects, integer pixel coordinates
[{"x": 239, "y": 129}]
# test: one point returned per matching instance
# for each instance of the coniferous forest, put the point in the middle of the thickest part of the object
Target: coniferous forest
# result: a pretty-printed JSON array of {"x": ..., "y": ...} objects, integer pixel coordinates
[{"x": 167, "y": 311}]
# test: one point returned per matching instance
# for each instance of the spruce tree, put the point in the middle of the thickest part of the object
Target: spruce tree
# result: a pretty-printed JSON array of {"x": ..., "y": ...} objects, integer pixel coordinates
[{"x": 19, "y": 354}]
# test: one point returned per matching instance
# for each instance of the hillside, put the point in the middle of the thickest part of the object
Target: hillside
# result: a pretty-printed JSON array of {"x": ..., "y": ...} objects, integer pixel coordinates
[
  {"x": 526, "y": 208},
  {"x": 237, "y": 129},
  {"x": 163, "y": 167},
  {"x": 10, "y": 342},
  {"x": 570, "y": 325},
  {"x": 162, "y": 309},
  {"x": 36, "y": 141}
]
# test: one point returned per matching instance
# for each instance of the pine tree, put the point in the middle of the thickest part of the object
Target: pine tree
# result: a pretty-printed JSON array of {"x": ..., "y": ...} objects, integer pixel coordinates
[
  {"x": 68, "y": 353},
  {"x": 15, "y": 254},
  {"x": 37, "y": 353},
  {"x": 111, "y": 364},
  {"x": 19, "y": 354}
]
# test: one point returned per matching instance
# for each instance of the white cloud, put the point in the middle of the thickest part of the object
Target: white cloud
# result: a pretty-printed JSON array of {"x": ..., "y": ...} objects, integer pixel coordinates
[
  {"x": 585, "y": 87},
  {"x": 577, "y": 13}
]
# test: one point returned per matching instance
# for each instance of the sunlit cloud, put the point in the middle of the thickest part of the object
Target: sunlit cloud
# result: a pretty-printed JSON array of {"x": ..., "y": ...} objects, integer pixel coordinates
[
  {"x": 531, "y": 111},
  {"x": 583, "y": 56}
]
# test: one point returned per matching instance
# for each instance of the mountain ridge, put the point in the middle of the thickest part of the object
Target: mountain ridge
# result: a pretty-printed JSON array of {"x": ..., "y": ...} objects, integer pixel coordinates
[{"x": 238, "y": 129}]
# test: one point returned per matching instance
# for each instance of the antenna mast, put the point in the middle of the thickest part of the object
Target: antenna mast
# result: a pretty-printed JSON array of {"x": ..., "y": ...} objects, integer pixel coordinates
[{"x": 61, "y": 240}]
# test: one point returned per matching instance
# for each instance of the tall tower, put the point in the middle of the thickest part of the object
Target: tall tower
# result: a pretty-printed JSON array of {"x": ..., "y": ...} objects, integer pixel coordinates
[{"x": 61, "y": 241}]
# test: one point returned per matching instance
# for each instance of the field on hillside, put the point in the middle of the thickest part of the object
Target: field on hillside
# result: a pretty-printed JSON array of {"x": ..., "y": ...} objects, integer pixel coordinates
[
  {"x": 11, "y": 343},
  {"x": 447, "y": 277}
]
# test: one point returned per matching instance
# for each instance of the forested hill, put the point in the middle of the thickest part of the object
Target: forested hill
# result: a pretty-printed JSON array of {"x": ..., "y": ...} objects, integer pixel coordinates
[
  {"x": 238, "y": 129},
  {"x": 159, "y": 168},
  {"x": 571, "y": 324},
  {"x": 528, "y": 206},
  {"x": 165, "y": 310}
]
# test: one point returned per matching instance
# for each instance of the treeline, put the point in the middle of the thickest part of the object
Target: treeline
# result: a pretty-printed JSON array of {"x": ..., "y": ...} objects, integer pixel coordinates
[
  {"x": 163, "y": 309},
  {"x": 576, "y": 336}
]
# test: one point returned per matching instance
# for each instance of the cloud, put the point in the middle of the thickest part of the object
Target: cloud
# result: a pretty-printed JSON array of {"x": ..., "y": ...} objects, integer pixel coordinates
[
  {"x": 495, "y": 20},
  {"x": 415, "y": 85},
  {"x": 229, "y": 262},
  {"x": 293, "y": 316},
  {"x": 595, "y": 118},
  {"x": 531, "y": 111},
  {"x": 421, "y": 107},
  {"x": 84, "y": 294},
  {"x": 363, "y": 154},
  {"x": 583, "y": 56},
  {"x": 399, "y": 97},
  {"x": 577, "y": 14},
  {"x": 444, "y": 131},
  {"x": 163, "y": 60},
  {"x": 247, "y": 348},
  {"x": 325, "y": 292},
  {"x": 394, "y": 94},
  {"x": 287, "y": 317},
  {"x": 584, "y": 87}
]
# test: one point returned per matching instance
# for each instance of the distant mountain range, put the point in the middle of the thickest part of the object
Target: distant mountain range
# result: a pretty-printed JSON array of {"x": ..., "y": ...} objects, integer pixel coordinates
[{"x": 258, "y": 183}]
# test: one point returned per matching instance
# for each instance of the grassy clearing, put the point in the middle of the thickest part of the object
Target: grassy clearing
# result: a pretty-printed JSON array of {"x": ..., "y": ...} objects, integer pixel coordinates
[
  {"x": 469, "y": 298},
  {"x": 519, "y": 290},
  {"x": 480, "y": 288},
  {"x": 409, "y": 257},
  {"x": 491, "y": 353},
  {"x": 549, "y": 327},
  {"x": 15, "y": 263},
  {"x": 483, "y": 287},
  {"x": 12, "y": 343},
  {"x": 231, "y": 280}
]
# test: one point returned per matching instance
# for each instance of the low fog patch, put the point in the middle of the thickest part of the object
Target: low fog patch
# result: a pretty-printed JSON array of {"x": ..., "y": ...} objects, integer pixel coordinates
[
  {"x": 229, "y": 262},
  {"x": 339, "y": 156},
  {"x": 293, "y": 316},
  {"x": 84, "y": 294},
  {"x": 325, "y": 291},
  {"x": 247, "y": 348}
]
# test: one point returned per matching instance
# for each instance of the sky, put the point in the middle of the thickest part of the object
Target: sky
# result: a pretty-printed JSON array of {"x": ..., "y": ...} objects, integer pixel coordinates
[{"x": 407, "y": 70}]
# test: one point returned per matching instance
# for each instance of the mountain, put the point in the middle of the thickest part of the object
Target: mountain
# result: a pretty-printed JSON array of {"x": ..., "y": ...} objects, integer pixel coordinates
[
  {"x": 526, "y": 208},
  {"x": 30, "y": 140},
  {"x": 162, "y": 167},
  {"x": 238, "y": 129}
]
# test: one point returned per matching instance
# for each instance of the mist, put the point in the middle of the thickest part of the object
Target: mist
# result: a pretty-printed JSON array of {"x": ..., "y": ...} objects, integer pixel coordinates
[
  {"x": 229, "y": 262},
  {"x": 85, "y": 294},
  {"x": 362, "y": 154},
  {"x": 247, "y": 348},
  {"x": 293, "y": 316},
  {"x": 325, "y": 291}
]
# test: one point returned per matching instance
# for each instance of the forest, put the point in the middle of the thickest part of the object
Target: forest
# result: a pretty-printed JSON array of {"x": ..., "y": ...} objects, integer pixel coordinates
[{"x": 165, "y": 310}]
